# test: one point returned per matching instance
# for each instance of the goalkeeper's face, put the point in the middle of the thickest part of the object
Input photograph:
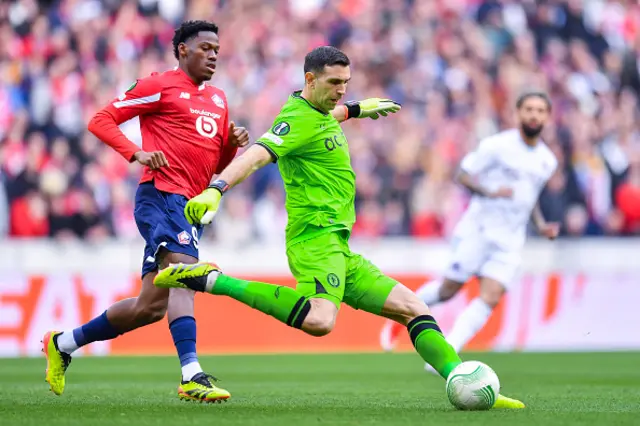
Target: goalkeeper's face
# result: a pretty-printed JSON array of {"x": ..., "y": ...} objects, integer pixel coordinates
[{"x": 329, "y": 86}]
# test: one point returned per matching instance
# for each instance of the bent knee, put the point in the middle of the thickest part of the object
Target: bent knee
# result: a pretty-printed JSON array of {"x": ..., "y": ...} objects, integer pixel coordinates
[
  {"x": 411, "y": 310},
  {"x": 317, "y": 325},
  {"x": 151, "y": 313},
  {"x": 491, "y": 292}
]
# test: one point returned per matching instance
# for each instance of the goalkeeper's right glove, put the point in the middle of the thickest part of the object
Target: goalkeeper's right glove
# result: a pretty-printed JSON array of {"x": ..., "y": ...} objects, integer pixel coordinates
[
  {"x": 371, "y": 108},
  {"x": 203, "y": 207}
]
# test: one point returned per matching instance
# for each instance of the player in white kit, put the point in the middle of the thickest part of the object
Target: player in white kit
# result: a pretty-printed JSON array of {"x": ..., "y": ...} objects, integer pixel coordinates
[{"x": 506, "y": 174}]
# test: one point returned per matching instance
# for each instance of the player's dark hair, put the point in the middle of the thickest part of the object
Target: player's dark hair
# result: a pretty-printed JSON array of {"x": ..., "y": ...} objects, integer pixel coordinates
[
  {"x": 323, "y": 56},
  {"x": 188, "y": 30},
  {"x": 533, "y": 94}
]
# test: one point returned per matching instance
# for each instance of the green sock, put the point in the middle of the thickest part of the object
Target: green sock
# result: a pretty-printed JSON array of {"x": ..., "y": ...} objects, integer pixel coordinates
[
  {"x": 432, "y": 346},
  {"x": 281, "y": 302}
]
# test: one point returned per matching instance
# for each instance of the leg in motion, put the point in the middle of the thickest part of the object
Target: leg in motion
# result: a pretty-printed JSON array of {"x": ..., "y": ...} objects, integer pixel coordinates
[
  {"x": 195, "y": 385},
  {"x": 126, "y": 315},
  {"x": 313, "y": 315},
  {"x": 311, "y": 307},
  {"x": 431, "y": 293},
  {"x": 403, "y": 306}
]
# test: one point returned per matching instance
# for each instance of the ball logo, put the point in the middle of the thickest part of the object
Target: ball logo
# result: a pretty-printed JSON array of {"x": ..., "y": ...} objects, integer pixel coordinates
[{"x": 206, "y": 126}]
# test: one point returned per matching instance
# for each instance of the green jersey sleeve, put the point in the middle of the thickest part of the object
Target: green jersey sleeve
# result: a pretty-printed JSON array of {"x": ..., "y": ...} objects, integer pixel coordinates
[{"x": 289, "y": 133}]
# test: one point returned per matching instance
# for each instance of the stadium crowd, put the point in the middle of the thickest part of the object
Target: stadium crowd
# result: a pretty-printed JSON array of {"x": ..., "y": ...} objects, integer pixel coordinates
[{"x": 456, "y": 66}]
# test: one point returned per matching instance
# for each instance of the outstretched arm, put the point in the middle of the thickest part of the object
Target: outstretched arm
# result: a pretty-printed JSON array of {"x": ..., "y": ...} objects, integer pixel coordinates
[{"x": 371, "y": 108}]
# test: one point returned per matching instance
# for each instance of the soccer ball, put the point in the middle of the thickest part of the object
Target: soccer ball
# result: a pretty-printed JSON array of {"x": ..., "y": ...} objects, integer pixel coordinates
[{"x": 473, "y": 385}]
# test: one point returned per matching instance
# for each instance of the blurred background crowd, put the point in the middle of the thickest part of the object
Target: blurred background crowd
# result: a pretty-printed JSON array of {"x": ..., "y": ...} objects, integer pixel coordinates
[{"x": 455, "y": 65}]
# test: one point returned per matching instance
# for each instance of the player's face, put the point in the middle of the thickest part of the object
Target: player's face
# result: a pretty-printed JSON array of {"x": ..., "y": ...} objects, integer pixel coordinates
[
  {"x": 201, "y": 55},
  {"x": 330, "y": 86},
  {"x": 533, "y": 115}
]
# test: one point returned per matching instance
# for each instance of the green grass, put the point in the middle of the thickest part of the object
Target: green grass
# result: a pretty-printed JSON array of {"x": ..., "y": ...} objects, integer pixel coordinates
[{"x": 354, "y": 389}]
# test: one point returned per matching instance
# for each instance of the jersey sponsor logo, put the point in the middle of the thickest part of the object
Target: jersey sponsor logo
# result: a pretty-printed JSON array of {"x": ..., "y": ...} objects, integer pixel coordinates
[
  {"x": 281, "y": 128},
  {"x": 333, "y": 280},
  {"x": 273, "y": 138},
  {"x": 184, "y": 95},
  {"x": 206, "y": 126},
  {"x": 184, "y": 238},
  {"x": 217, "y": 100},
  {"x": 203, "y": 112},
  {"x": 332, "y": 143}
]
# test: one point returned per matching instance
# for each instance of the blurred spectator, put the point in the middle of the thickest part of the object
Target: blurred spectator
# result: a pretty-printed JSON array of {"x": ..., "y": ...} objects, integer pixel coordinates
[{"x": 457, "y": 67}]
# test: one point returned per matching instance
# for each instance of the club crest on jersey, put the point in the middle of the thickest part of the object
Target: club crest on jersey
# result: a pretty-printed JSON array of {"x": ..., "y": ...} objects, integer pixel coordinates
[
  {"x": 184, "y": 238},
  {"x": 217, "y": 100}
]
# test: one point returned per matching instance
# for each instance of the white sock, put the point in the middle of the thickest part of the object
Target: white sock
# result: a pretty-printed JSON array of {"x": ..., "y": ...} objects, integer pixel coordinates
[
  {"x": 190, "y": 370},
  {"x": 470, "y": 321},
  {"x": 211, "y": 281},
  {"x": 66, "y": 342},
  {"x": 429, "y": 293}
]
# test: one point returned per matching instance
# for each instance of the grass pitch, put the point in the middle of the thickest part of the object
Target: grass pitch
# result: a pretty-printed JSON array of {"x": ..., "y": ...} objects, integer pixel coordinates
[{"x": 333, "y": 389}]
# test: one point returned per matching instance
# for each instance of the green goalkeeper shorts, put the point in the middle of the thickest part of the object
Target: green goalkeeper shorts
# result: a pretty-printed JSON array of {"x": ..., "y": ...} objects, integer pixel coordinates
[{"x": 325, "y": 267}]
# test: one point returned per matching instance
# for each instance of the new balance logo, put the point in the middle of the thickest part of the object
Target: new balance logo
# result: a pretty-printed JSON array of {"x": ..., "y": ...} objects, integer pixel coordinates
[{"x": 185, "y": 95}]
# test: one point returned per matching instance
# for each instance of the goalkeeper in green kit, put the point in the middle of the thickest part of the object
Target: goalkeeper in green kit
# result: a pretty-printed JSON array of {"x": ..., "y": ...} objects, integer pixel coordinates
[{"x": 313, "y": 157}]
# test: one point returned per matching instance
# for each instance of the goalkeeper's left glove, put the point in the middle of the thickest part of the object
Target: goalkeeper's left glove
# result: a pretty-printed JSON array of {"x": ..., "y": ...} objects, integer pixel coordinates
[
  {"x": 372, "y": 108},
  {"x": 203, "y": 207}
]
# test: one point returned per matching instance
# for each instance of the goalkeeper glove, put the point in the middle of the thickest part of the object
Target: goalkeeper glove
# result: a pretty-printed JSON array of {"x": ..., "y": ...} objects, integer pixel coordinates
[
  {"x": 372, "y": 108},
  {"x": 203, "y": 207}
]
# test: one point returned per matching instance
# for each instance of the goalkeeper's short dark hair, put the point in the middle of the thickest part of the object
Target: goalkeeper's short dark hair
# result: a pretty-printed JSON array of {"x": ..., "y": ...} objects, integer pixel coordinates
[
  {"x": 188, "y": 30},
  {"x": 323, "y": 56}
]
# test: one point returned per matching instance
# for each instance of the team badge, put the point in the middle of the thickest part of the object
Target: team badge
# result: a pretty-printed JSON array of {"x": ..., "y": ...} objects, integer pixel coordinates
[
  {"x": 184, "y": 238},
  {"x": 217, "y": 100},
  {"x": 333, "y": 280}
]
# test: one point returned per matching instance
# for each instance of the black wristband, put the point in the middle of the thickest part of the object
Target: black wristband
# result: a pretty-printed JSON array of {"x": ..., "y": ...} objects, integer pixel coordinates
[
  {"x": 353, "y": 109},
  {"x": 220, "y": 185}
]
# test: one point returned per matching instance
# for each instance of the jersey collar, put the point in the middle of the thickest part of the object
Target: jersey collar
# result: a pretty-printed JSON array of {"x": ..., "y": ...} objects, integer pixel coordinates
[
  {"x": 297, "y": 95},
  {"x": 186, "y": 77}
]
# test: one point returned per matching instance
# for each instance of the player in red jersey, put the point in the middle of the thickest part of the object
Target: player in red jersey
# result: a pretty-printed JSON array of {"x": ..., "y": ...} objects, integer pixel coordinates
[{"x": 186, "y": 139}]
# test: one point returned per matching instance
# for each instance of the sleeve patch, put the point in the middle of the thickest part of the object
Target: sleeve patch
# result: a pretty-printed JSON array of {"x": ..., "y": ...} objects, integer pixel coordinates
[
  {"x": 282, "y": 128},
  {"x": 273, "y": 138}
]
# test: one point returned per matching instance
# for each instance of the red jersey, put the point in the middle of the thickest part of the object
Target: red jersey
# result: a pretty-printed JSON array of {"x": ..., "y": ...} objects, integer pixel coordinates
[{"x": 188, "y": 123}]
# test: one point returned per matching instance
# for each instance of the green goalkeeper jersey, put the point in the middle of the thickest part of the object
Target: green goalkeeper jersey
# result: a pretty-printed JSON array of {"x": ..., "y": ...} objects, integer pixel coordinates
[{"x": 313, "y": 158}]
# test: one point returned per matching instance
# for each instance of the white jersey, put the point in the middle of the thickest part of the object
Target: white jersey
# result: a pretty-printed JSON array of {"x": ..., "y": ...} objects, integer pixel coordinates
[{"x": 505, "y": 160}]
